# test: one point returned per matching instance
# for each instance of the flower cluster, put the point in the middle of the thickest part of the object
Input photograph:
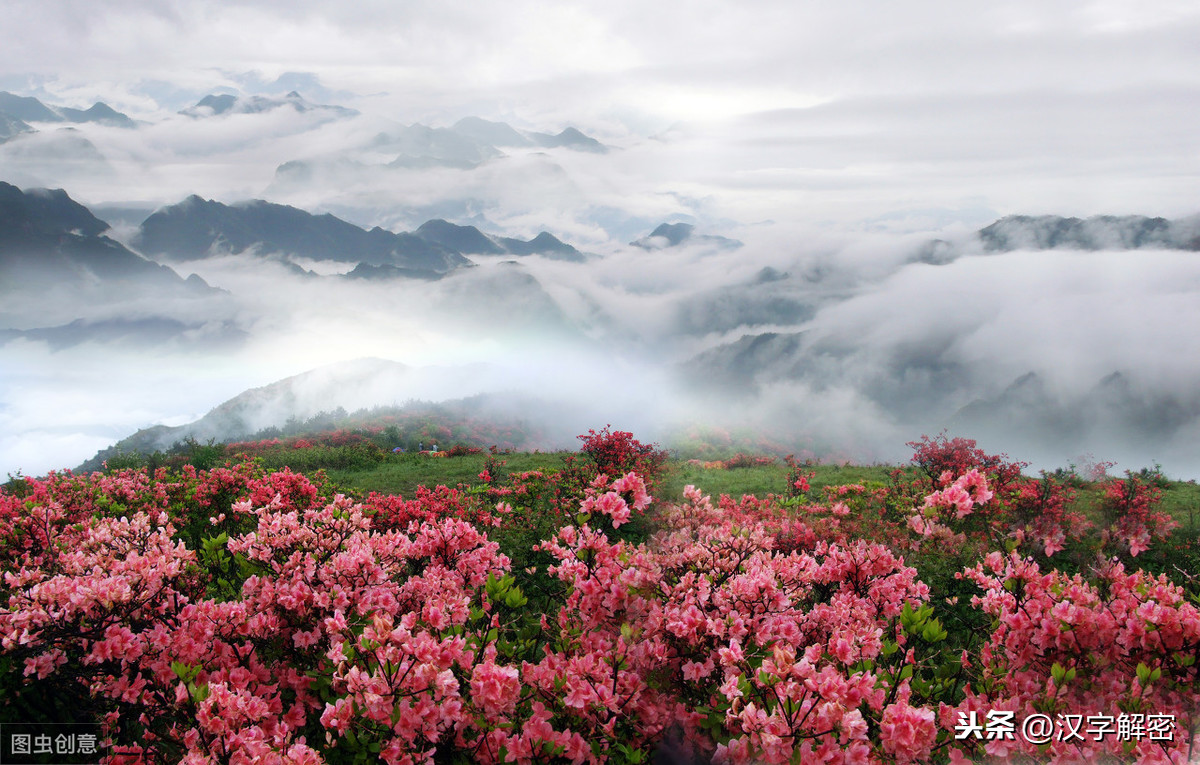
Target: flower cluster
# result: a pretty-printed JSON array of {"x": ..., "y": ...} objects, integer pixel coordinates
[{"x": 245, "y": 615}]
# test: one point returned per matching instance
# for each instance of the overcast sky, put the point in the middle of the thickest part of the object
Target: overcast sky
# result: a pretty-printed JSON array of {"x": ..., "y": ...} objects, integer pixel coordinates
[{"x": 850, "y": 110}]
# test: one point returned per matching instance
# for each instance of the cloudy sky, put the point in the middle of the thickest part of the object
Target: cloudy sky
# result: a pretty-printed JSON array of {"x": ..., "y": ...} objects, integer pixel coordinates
[
  {"x": 832, "y": 138},
  {"x": 855, "y": 108}
]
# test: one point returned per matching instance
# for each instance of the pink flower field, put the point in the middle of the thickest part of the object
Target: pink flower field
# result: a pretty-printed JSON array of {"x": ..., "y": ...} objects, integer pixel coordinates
[{"x": 962, "y": 613}]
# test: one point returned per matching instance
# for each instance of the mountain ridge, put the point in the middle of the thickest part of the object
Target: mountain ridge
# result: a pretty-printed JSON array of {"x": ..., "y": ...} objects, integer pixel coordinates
[{"x": 29, "y": 109}]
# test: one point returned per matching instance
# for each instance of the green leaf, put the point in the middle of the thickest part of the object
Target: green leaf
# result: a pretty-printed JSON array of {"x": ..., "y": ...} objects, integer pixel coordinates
[
  {"x": 515, "y": 598},
  {"x": 1143, "y": 674},
  {"x": 933, "y": 632},
  {"x": 1058, "y": 672},
  {"x": 948, "y": 669},
  {"x": 184, "y": 672}
]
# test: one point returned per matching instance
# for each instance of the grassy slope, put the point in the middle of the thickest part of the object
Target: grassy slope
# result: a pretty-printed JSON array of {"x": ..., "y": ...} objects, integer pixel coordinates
[{"x": 401, "y": 474}]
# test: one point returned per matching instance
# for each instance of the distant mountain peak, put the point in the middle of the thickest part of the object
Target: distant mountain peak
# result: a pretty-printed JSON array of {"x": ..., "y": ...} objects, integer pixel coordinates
[
  {"x": 676, "y": 234},
  {"x": 1100, "y": 232},
  {"x": 570, "y": 138},
  {"x": 47, "y": 238},
  {"x": 30, "y": 109},
  {"x": 197, "y": 228},
  {"x": 472, "y": 241},
  {"x": 464, "y": 239},
  {"x": 214, "y": 105},
  {"x": 27, "y": 108}
]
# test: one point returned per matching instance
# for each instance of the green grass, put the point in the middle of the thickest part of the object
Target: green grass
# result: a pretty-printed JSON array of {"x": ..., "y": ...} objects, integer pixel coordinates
[
  {"x": 761, "y": 480},
  {"x": 403, "y": 473},
  {"x": 1182, "y": 500}
]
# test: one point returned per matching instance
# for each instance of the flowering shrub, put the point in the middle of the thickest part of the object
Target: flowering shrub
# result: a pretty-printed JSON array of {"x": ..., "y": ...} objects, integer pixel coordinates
[
  {"x": 244, "y": 615},
  {"x": 1129, "y": 506},
  {"x": 942, "y": 460},
  {"x": 1120, "y": 644},
  {"x": 618, "y": 452},
  {"x": 742, "y": 460}
]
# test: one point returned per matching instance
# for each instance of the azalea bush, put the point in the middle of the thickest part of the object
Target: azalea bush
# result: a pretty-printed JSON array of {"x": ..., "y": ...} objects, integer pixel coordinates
[
  {"x": 615, "y": 452},
  {"x": 246, "y": 614}
]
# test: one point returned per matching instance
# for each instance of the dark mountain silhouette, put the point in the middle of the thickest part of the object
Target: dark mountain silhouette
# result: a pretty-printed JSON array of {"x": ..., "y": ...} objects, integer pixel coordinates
[
  {"x": 387, "y": 271},
  {"x": 544, "y": 244},
  {"x": 11, "y": 127},
  {"x": 100, "y": 113},
  {"x": 29, "y": 109},
  {"x": 571, "y": 139},
  {"x": 197, "y": 228},
  {"x": 675, "y": 234},
  {"x": 1103, "y": 232},
  {"x": 218, "y": 104},
  {"x": 57, "y": 268},
  {"x": 214, "y": 104},
  {"x": 471, "y": 241},
  {"x": 465, "y": 239},
  {"x": 48, "y": 238}
]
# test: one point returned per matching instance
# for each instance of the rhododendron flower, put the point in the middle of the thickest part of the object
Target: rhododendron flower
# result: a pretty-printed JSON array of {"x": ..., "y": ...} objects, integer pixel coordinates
[
  {"x": 495, "y": 689},
  {"x": 907, "y": 733}
]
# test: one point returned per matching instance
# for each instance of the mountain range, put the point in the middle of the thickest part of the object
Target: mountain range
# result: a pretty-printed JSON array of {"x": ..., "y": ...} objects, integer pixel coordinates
[
  {"x": 61, "y": 278},
  {"x": 26, "y": 109},
  {"x": 466, "y": 145},
  {"x": 502, "y": 134},
  {"x": 48, "y": 240},
  {"x": 199, "y": 228},
  {"x": 1102, "y": 232},
  {"x": 215, "y": 105}
]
